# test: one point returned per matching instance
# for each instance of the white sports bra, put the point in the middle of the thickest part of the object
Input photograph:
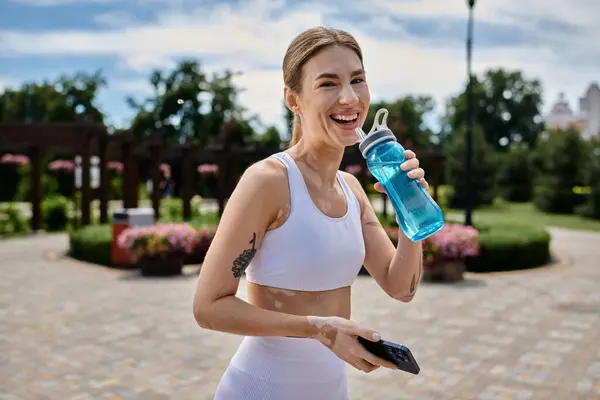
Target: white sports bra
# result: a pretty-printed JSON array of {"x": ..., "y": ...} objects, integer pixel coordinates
[{"x": 310, "y": 251}]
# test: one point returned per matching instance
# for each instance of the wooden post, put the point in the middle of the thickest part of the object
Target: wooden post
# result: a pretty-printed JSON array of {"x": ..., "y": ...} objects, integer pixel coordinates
[
  {"x": 130, "y": 176},
  {"x": 222, "y": 180},
  {"x": 187, "y": 177},
  {"x": 156, "y": 178},
  {"x": 102, "y": 150},
  {"x": 86, "y": 194},
  {"x": 36, "y": 187}
]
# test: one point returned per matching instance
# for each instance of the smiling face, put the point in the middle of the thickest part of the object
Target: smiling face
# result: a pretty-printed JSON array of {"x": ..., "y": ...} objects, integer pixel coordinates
[{"x": 334, "y": 97}]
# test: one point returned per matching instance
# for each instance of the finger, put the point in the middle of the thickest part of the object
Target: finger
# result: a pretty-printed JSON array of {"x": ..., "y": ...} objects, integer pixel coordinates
[
  {"x": 424, "y": 183},
  {"x": 378, "y": 361},
  {"x": 418, "y": 173},
  {"x": 365, "y": 366},
  {"x": 410, "y": 164},
  {"x": 409, "y": 154},
  {"x": 379, "y": 187},
  {"x": 368, "y": 334}
]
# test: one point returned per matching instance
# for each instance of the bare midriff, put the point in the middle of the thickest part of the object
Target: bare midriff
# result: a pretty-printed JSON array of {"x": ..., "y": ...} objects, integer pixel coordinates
[{"x": 325, "y": 303}]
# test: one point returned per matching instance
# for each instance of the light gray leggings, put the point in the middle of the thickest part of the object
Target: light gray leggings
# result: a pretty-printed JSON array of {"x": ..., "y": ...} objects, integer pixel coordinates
[{"x": 278, "y": 368}]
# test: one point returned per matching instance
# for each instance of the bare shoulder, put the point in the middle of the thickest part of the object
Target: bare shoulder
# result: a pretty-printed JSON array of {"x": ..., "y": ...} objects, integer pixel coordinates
[
  {"x": 354, "y": 185},
  {"x": 268, "y": 174},
  {"x": 264, "y": 181}
]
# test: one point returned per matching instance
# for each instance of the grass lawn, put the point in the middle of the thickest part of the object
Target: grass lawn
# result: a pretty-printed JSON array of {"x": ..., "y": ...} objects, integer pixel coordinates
[{"x": 524, "y": 213}]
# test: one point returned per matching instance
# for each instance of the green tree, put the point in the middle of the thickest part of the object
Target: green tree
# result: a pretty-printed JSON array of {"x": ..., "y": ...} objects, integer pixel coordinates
[
  {"x": 505, "y": 104},
  {"x": 68, "y": 98},
  {"x": 561, "y": 160},
  {"x": 271, "y": 138},
  {"x": 406, "y": 119},
  {"x": 591, "y": 177},
  {"x": 516, "y": 174},
  {"x": 187, "y": 103},
  {"x": 484, "y": 167}
]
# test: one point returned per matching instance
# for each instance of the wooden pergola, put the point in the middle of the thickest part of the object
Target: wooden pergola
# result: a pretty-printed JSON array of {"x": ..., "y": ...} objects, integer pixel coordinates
[{"x": 87, "y": 139}]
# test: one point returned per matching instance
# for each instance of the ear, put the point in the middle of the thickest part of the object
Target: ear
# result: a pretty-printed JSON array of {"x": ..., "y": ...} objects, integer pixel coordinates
[{"x": 291, "y": 100}]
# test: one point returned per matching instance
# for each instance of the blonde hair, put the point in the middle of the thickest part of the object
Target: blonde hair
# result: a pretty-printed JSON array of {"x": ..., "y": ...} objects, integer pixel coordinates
[{"x": 302, "y": 48}]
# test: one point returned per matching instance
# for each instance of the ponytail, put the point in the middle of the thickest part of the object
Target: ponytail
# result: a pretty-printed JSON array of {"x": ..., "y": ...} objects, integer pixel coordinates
[{"x": 296, "y": 130}]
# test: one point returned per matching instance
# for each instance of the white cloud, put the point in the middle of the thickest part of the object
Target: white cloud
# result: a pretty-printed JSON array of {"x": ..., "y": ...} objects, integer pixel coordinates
[
  {"x": 51, "y": 3},
  {"x": 244, "y": 38},
  {"x": 6, "y": 83}
]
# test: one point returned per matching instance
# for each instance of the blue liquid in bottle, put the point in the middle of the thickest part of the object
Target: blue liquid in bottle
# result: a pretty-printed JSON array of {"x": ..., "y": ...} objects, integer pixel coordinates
[{"x": 418, "y": 215}]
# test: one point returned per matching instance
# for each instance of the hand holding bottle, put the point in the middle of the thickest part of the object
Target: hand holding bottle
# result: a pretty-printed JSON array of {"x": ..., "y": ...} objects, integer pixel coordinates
[
  {"x": 400, "y": 176},
  {"x": 414, "y": 171}
]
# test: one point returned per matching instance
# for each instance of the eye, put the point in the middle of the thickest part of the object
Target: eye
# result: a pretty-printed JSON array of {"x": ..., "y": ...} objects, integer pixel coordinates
[
  {"x": 357, "y": 80},
  {"x": 327, "y": 84}
]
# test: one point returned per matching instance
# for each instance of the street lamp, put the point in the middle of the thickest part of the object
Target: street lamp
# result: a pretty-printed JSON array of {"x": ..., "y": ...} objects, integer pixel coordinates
[{"x": 469, "y": 124}]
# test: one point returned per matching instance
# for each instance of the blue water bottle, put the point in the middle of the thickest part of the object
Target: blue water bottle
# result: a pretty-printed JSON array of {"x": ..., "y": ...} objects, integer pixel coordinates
[{"x": 417, "y": 213}]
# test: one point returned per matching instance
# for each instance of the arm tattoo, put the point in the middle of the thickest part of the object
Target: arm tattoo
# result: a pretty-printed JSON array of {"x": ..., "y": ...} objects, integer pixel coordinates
[
  {"x": 243, "y": 260},
  {"x": 413, "y": 283}
]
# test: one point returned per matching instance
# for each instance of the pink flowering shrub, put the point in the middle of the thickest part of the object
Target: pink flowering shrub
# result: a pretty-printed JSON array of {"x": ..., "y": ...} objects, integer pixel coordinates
[
  {"x": 453, "y": 242},
  {"x": 159, "y": 239},
  {"x": 66, "y": 166},
  {"x": 14, "y": 159},
  {"x": 208, "y": 169}
]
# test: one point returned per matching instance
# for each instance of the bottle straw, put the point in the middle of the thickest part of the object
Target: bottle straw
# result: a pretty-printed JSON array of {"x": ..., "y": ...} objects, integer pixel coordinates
[{"x": 360, "y": 133}]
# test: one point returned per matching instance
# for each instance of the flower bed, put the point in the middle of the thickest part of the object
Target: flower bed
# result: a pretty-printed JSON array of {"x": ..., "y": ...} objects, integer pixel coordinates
[
  {"x": 93, "y": 244},
  {"x": 159, "y": 249}
]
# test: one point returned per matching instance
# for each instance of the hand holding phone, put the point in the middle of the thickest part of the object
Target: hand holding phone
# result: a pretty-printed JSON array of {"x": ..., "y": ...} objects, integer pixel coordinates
[{"x": 395, "y": 353}]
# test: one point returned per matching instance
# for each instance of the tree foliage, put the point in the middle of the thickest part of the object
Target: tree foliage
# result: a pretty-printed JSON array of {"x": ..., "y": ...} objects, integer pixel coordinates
[
  {"x": 516, "y": 174},
  {"x": 188, "y": 103},
  {"x": 483, "y": 172},
  {"x": 66, "y": 99},
  {"x": 560, "y": 160},
  {"x": 505, "y": 104},
  {"x": 406, "y": 119}
]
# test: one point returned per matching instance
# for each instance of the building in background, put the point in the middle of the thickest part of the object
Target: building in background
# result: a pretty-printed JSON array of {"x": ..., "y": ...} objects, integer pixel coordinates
[{"x": 587, "y": 120}]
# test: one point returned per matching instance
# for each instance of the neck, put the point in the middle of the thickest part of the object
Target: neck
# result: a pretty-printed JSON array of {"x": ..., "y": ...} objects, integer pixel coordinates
[{"x": 322, "y": 160}]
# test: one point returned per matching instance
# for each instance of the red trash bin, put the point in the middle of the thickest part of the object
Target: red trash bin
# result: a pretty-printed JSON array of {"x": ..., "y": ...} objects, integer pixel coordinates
[{"x": 122, "y": 220}]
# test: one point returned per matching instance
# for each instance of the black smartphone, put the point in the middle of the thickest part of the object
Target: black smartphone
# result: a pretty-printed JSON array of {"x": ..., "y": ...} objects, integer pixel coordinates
[{"x": 395, "y": 353}]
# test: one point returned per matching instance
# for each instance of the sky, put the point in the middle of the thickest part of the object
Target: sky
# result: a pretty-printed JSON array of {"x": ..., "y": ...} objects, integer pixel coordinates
[{"x": 410, "y": 46}]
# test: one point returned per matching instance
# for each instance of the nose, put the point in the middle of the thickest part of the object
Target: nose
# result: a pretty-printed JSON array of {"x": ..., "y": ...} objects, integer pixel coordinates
[{"x": 348, "y": 95}]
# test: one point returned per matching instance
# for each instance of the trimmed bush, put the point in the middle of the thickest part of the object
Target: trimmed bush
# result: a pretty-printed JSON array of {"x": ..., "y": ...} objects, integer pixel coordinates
[
  {"x": 12, "y": 221},
  {"x": 510, "y": 247},
  {"x": 55, "y": 210},
  {"x": 91, "y": 244},
  {"x": 505, "y": 247}
]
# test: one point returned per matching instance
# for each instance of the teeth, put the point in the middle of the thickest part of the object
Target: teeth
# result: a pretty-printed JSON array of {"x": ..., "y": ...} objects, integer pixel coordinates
[{"x": 345, "y": 117}]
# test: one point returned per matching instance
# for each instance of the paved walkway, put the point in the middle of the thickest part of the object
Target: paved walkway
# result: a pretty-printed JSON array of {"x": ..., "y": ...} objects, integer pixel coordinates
[{"x": 76, "y": 331}]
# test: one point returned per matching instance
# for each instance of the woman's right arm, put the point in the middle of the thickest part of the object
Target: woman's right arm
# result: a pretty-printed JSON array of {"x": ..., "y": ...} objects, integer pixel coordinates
[{"x": 252, "y": 207}]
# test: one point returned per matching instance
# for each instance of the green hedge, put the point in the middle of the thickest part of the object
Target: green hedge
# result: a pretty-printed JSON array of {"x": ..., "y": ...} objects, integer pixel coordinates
[
  {"x": 505, "y": 247},
  {"x": 91, "y": 244},
  {"x": 510, "y": 247}
]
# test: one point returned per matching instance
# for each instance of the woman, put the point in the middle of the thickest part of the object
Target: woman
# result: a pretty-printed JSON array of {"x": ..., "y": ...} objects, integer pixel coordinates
[{"x": 301, "y": 230}]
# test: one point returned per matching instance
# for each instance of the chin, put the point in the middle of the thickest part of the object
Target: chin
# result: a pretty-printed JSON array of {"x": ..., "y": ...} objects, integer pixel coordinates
[{"x": 348, "y": 140}]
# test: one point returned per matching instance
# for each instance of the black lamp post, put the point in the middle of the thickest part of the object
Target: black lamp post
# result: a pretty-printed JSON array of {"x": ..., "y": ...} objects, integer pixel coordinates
[{"x": 469, "y": 124}]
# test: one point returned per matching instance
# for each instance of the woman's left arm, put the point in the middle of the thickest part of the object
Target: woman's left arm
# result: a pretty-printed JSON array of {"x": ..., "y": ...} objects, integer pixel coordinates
[{"x": 398, "y": 270}]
